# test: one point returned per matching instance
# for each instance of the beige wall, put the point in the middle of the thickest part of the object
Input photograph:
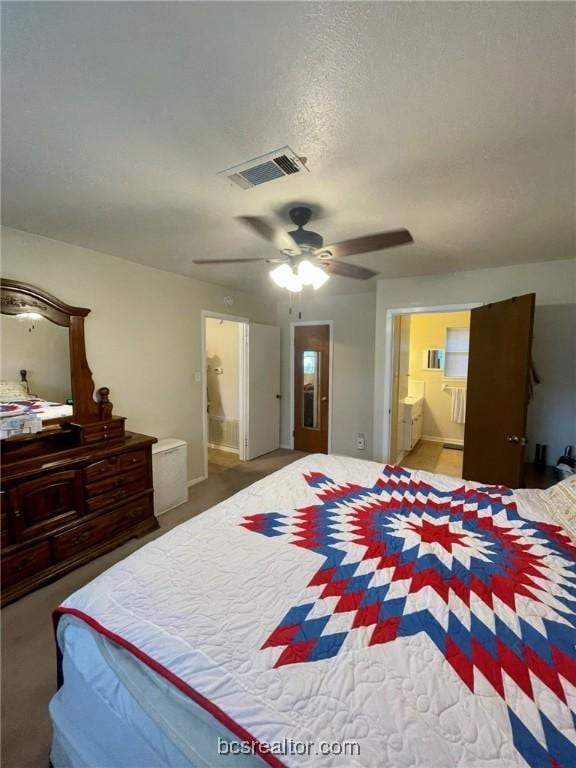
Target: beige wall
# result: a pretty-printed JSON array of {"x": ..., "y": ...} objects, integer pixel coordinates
[
  {"x": 222, "y": 351},
  {"x": 429, "y": 330},
  {"x": 43, "y": 349},
  {"x": 143, "y": 335},
  {"x": 352, "y": 365},
  {"x": 553, "y": 282}
]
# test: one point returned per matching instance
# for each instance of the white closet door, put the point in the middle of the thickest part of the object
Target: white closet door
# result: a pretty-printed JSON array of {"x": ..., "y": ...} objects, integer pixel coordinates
[{"x": 263, "y": 389}]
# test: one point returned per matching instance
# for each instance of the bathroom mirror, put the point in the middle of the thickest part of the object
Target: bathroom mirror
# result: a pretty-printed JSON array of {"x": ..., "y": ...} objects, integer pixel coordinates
[{"x": 433, "y": 359}]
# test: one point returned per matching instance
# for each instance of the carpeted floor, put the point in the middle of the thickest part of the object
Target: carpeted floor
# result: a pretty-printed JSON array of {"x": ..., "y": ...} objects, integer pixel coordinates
[{"x": 28, "y": 655}]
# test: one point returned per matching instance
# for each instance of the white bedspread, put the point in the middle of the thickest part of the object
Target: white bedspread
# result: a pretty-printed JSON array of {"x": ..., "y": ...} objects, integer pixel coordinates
[{"x": 423, "y": 622}]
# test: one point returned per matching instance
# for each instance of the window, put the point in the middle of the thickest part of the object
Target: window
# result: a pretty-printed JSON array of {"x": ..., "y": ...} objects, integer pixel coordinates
[{"x": 456, "y": 354}]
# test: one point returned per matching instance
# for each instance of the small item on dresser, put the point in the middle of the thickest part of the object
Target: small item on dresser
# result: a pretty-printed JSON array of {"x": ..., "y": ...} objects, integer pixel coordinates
[
  {"x": 19, "y": 424},
  {"x": 566, "y": 464}
]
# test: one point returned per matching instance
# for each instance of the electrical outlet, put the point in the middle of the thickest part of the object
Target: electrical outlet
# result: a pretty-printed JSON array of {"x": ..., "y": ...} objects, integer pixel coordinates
[{"x": 360, "y": 442}]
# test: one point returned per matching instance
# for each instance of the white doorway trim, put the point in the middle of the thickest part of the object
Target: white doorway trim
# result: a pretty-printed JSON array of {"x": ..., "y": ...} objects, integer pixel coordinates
[
  {"x": 242, "y": 324},
  {"x": 389, "y": 359},
  {"x": 330, "y": 324}
]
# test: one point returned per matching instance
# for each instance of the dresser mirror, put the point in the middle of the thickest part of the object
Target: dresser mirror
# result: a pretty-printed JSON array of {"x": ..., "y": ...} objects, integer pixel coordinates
[
  {"x": 46, "y": 380},
  {"x": 35, "y": 359}
]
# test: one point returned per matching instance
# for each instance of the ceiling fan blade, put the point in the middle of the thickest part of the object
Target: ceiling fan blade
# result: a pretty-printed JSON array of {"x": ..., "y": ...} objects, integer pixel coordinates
[
  {"x": 235, "y": 261},
  {"x": 347, "y": 270},
  {"x": 271, "y": 232},
  {"x": 366, "y": 244}
]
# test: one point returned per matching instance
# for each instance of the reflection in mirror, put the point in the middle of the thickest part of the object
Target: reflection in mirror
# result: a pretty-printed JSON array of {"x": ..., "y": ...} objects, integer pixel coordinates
[
  {"x": 433, "y": 359},
  {"x": 35, "y": 373},
  {"x": 311, "y": 393}
]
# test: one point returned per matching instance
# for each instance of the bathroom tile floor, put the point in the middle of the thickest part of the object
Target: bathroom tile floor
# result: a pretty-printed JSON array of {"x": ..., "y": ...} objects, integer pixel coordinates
[
  {"x": 220, "y": 461},
  {"x": 433, "y": 457}
]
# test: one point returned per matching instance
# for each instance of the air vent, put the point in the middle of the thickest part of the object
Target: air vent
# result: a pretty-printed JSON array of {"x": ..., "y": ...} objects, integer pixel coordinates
[{"x": 260, "y": 170}]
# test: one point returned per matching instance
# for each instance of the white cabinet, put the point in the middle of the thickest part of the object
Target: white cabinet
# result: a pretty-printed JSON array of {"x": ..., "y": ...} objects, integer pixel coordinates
[{"x": 412, "y": 415}]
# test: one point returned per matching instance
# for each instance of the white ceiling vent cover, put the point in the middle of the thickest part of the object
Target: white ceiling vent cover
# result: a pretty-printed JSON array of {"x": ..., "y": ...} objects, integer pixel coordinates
[{"x": 274, "y": 165}]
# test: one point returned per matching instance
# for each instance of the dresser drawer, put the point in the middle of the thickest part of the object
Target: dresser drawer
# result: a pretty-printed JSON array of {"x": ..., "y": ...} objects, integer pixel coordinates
[
  {"x": 26, "y": 563},
  {"x": 120, "y": 463},
  {"x": 101, "y": 528},
  {"x": 131, "y": 460},
  {"x": 99, "y": 433},
  {"x": 133, "y": 486},
  {"x": 116, "y": 482}
]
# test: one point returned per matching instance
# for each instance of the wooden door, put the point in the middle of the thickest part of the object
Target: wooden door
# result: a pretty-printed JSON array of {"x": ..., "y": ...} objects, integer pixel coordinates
[
  {"x": 395, "y": 407},
  {"x": 497, "y": 397},
  {"x": 311, "y": 387}
]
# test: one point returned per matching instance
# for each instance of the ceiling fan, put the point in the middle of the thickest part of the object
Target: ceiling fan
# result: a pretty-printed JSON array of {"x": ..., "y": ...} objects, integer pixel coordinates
[{"x": 304, "y": 259}]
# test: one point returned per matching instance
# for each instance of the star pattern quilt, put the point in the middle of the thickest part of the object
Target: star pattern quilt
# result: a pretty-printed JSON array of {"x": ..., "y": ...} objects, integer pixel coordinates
[{"x": 431, "y": 621}]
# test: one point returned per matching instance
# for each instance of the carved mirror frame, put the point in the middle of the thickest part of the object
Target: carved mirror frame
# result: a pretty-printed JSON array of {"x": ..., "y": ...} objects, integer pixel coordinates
[{"x": 17, "y": 297}]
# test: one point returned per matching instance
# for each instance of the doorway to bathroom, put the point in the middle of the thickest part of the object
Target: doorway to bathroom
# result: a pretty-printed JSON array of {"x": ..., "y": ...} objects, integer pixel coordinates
[
  {"x": 240, "y": 382},
  {"x": 428, "y": 390},
  {"x": 223, "y": 378}
]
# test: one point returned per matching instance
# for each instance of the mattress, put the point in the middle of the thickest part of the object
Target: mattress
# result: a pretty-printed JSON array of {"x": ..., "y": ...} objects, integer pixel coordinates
[
  {"x": 113, "y": 711},
  {"x": 338, "y": 613}
]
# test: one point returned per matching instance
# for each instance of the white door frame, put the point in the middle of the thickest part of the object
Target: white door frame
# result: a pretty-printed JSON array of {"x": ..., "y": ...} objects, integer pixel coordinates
[
  {"x": 389, "y": 359},
  {"x": 330, "y": 324},
  {"x": 242, "y": 387}
]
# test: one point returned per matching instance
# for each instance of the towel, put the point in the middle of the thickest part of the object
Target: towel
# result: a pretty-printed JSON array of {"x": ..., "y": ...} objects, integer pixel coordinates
[{"x": 458, "y": 409}]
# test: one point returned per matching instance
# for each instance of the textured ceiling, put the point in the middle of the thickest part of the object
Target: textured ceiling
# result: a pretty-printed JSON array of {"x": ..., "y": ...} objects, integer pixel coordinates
[{"x": 455, "y": 120}]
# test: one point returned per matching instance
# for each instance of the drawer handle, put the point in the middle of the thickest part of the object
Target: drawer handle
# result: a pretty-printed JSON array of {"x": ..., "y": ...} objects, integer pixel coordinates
[
  {"x": 134, "y": 461},
  {"x": 133, "y": 512},
  {"x": 119, "y": 481},
  {"x": 120, "y": 494},
  {"x": 17, "y": 513},
  {"x": 24, "y": 562},
  {"x": 116, "y": 528},
  {"x": 83, "y": 536}
]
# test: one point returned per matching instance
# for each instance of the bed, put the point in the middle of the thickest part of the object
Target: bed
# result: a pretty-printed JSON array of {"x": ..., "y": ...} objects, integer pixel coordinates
[{"x": 336, "y": 613}]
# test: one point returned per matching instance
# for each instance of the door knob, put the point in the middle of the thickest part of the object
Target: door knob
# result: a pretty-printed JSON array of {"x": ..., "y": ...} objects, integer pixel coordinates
[
  {"x": 324, "y": 399},
  {"x": 516, "y": 439}
]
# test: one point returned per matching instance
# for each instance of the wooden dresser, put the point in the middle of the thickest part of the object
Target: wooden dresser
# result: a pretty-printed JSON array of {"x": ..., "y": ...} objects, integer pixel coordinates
[
  {"x": 61, "y": 510},
  {"x": 81, "y": 485}
]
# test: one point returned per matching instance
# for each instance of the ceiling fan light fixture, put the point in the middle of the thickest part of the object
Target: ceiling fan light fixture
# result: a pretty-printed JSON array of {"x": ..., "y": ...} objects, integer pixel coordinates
[
  {"x": 310, "y": 274},
  {"x": 284, "y": 277}
]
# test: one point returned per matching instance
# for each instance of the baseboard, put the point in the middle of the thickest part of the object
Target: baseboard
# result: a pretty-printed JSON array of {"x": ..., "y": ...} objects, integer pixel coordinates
[
  {"x": 225, "y": 448},
  {"x": 286, "y": 447},
  {"x": 196, "y": 480},
  {"x": 453, "y": 440}
]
